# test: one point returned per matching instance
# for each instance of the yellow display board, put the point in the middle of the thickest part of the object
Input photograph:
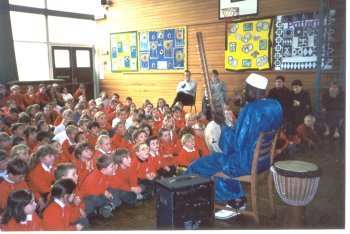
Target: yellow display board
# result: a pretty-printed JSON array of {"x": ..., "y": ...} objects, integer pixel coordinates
[
  {"x": 124, "y": 51},
  {"x": 248, "y": 45}
]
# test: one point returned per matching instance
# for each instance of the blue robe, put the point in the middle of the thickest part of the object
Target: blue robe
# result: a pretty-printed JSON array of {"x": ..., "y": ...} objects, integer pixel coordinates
[{"x": 238, "y": 145}]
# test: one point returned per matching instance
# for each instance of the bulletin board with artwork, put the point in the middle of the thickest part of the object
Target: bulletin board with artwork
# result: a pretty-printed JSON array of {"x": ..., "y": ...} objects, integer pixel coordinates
[
  {"x": 296, "y": 41},
  {"x": 248, "y": 45},
  {"x": 163, "y": 50},
  {"x": 123, "y": 51}
]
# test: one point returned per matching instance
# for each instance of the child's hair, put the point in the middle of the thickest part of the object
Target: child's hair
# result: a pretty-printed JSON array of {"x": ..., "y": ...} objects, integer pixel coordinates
[
  {"x": 190, "y": 116},
  {"x": 162, "y": 130},
  {"x": 186, "y": 137},
  {"x": 93, "y": 124},
  {"x": 17, "y": 167},
  {"x": 79, "y": 148},
  {"x": 17, "y": 148},
  {"x": 186, "y": 130},
  {"x": 17, "y": 140},
  {"x": 77, "y": 137},
  {"x": 16, "y": 202},
  {"x": 71, "y": 129},
  {"x": 280, "y": 78},
  {"x": 120, "y": 154},
  {"x": 29, "y": 130},
  {"x": 151, "y": 138},
  {"x": 136, "y": 133},
  {"x": 104, "y": 162},
  {"x": 43, "y": 151},
  {"x": 3, "y": 155},
  {"x": 62, "y": 187},
  {"x": 43, "y": 136},
  {"x": 24, "y": 118},
  {"x": 100, "y": 139},
  {"x": 62, "y": 170},
  {"x": 4, "y": 137},
  {"x": 138, "y": 146}
]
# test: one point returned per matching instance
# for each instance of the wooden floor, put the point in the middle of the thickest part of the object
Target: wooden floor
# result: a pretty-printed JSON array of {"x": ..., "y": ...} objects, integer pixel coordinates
[{"x": 326, "y": 211}]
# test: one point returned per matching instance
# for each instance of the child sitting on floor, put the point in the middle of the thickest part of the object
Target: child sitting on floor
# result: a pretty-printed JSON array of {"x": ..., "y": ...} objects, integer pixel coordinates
[
  {"x": 188, "y": 152},
  {"x": 95, "y": 189},
  {"x": 41, "y": 177},
  {"x": 14, "y": 180},
  {"x": 58, "y": 215},
  {"x": 20, "y": 213},
  {"x": 306, "y": 133},
  {"x": 124, "y": 183}
]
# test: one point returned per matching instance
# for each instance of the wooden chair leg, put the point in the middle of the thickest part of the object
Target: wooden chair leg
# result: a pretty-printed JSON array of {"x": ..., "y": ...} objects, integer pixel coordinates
[
  {"x": 254, "y": 201},
  {"x": 270, "y": 188}
]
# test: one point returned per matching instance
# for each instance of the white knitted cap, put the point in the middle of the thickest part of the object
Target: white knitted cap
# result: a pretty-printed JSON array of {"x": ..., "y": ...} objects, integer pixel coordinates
[{"x": 257, "y": 81}]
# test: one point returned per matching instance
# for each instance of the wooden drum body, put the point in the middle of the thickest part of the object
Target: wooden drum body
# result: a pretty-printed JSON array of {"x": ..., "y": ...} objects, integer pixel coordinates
[{"x": 296, "y": 183}]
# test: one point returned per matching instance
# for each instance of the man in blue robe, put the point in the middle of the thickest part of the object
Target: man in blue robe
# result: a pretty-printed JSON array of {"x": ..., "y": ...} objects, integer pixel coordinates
[{"x": 238, "y": 143}]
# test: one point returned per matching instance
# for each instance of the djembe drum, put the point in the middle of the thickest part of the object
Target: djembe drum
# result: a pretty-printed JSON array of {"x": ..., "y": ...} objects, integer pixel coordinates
[{"x": 296, "y": 183}]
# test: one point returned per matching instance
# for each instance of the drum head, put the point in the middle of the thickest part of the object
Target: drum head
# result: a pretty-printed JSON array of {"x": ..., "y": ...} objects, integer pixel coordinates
[{"x": 293, "y": 168}]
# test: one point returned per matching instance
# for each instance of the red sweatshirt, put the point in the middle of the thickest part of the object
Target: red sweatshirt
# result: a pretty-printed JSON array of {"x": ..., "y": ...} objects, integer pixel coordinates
[
  {"x": 35, "y": 224},
  {"x": 6, "y": 187},
  {"x": 40, "y": 180},
  {"x": 83, "y": 170},
  {"x": 124, "y": 179},
  {"x": 143, "y": 167},
  {"x": 58, "y": 218},
  {"x": 185, "y": 158},
  {"x": 95, "y": 184}
]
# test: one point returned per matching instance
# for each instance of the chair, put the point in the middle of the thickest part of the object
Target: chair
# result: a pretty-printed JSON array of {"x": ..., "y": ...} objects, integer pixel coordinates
[
  {"x": 193, "y": 104},
  {"x": 262, "y": 161}
]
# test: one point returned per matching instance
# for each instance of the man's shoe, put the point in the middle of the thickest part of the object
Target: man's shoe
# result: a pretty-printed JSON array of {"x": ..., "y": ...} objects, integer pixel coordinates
[{"x": 225, "y": 214}]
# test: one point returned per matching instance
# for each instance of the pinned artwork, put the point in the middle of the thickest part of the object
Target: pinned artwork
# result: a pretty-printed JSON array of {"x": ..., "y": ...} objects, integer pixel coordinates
[
  {"x": 124, "y": 51},
  {"x": 296, "y": 38},
  {"x": 163, "y": 49},
  {"x": 248, "y": 45}
]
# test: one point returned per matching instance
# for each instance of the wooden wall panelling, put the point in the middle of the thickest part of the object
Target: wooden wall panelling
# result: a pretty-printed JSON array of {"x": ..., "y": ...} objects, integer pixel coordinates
[{"x": 197, "y": 15}]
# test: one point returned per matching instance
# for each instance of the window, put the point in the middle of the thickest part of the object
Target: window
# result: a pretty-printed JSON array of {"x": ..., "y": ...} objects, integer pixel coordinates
[
  {"x": 62, "y": 59},
  {"x": 29, "y": 3},
  {"x": 83, "y": 58},
  {"x": 32, "y": 61},
  {"x": 34, "y": 33},
  {"x": 72, "y": 31}
]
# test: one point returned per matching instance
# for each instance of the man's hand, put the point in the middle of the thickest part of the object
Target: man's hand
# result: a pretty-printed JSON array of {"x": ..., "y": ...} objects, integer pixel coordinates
[
  {"x": 108, "y": 195},
  {"x": 136, "y": 189},
  {"x": 151, "y": 175}
]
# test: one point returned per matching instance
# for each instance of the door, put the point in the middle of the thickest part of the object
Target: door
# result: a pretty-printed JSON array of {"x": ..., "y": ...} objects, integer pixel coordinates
[{"x": 74, "y": 64}]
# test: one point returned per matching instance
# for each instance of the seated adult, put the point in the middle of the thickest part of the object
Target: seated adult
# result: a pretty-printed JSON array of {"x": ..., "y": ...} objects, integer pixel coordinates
[
  {"x": 333, "y": 106},
  {"x": 283, "y": 95},
  {"x": 238, "y": 144},
  {"x": 186, "y": 90}
]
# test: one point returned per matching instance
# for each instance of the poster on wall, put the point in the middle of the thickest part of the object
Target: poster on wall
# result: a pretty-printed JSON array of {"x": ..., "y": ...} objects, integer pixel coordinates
[
  {"x": 228, "y": 8},
  {"x": 124, "y": 51},
  {"x": 248, "y": 45},
  {"x": 163, "y": 49},
  {"x": 296, "y": 39}
]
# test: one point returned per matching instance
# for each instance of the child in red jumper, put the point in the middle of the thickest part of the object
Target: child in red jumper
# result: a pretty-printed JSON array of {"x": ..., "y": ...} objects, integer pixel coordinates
[
  {"x": 124, "y": 182},
  {"x": 84, "y": 161},
  {"x": 189, "y": 152},
  {"x": 163, "y": 170},
  {"x": 14, "y": 180},
  {"x": 95, "y": 190},
  {"x": 69, "y": 143},
  {"x": 77, "y": 207},
  {"x": 167, "y": 148},
  {"x": 146, "y": 169},
  {"x": 58, "y": 215},
  {"x": 41, "y": 177},
  {"x": 20, "y": 213}
]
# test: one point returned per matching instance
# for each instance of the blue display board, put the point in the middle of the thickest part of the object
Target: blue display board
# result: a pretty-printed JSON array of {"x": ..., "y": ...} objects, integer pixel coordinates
[{"x": 163, "y": 50}]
